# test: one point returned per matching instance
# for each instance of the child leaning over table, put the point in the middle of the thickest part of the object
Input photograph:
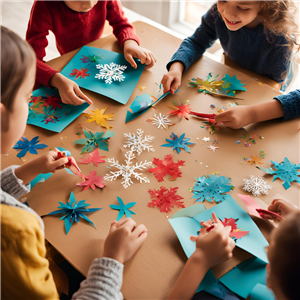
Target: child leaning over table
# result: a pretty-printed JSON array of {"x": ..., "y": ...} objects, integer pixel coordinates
[
  {"x": 212, "y": 248},
  {"x": 257, "y": 35},
  {"x": 286, "y": 106},
  {"x": 75, "y": 24},
  {"x": 24, "y": 268}
]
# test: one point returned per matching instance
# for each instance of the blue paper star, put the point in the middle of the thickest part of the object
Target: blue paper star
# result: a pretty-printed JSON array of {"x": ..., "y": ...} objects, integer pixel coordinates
[
  {"x": 232, "y": 84},
  {"x": 93, "y": 140},
  {"x": 72, "y": 211},
  {"x": 24, "y": 145},
  {"x": 212, "y": 187},
  {"x": 178, "y": 143},
  {"x": 123, "y": 209},
  {"x": 284, "y": 171}
]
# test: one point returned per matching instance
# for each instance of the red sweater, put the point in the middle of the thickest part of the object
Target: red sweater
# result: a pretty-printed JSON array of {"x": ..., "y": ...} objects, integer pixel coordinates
[{"x": 72, "y": 29}]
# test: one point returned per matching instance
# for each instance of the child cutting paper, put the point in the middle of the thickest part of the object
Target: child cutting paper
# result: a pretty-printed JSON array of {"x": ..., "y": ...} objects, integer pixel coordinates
[
  {"x": 283, "y": 106},
  {"x": 24, "y": 268},
  {"x": 216, "y": 246},
  {"x": 75, "y": 24},
  {"x": 255, "y": 34}
]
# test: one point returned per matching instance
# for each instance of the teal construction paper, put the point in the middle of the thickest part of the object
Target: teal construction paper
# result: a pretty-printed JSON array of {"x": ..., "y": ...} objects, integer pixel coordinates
[
  {"x": 254, "y": 242},
  {"x": 119, "y": 91},
  {"x": 40, "y": 178},
  {"x": 66, "y": 115},
  {"x": 261, "y": 292},
  {"x": 243, "y": 278},
  {"x": 190, "y": 211},
  {"x": 208, "y": 281}
]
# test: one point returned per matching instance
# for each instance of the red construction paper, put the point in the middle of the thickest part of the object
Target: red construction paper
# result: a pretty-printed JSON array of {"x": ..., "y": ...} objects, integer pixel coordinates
[
  {"x": 182, "y": 110},
  {"x": 251, "y": 205},
  {"x": 262, "y": 212},
  {"x": 91, "y": 181},
  {"x": 93, "y": 158},
  {"x": 53, "y": 101}
]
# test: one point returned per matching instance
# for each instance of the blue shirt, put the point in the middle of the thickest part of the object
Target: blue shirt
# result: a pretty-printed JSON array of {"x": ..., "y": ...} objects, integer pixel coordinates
[
  {"x": 249, "y": 48},
  {"x": 290, "y": 104}
]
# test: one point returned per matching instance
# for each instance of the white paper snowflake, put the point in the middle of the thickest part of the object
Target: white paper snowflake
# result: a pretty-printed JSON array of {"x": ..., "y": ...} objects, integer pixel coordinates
[
  {"x": 128, "y": 170},
  {"x": 111, "y": 72},
  {"x": 161, "y": 121},
  {"x": 138, "y": 143},
  {"x": 256, "y": 185}
]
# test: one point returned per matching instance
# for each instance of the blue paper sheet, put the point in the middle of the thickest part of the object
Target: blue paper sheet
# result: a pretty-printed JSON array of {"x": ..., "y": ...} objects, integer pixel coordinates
[
  {"x": 254, "y": 242},
  {"x": 261, "y": 292},
  {"x": 117, "y": 90},
  {"x": 49, "y": 118}
]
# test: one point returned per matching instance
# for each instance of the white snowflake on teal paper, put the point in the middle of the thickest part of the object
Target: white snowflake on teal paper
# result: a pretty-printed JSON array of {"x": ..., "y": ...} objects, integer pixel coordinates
[
  {"x": 111, "y": 72},
  {"x": 286, "y": 171},
  {"x": 212, "y": 188}
]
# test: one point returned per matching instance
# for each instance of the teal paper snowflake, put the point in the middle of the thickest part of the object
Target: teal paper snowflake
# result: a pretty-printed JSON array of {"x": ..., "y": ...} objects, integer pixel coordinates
[
  {"x": 232, "y": 85},
  {"x": 212, "y": 188},
  {"x": 23, "y": 145},
  {"x": 178, "y": 143},
  {"x": 93, "y": 140},
  {"x": 286, "y": 171},
  {"x": 124, "y": 209}
]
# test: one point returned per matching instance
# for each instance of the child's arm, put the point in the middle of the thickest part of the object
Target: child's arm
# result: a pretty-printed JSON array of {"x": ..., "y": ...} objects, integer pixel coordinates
[
  {"x": 211, "y": 249},
  {"x": 46, "y": 163},
  {"x": 105, "y": 276}
]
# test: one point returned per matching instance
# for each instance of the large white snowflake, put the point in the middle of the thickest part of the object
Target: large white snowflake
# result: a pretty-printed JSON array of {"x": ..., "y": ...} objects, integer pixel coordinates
[
  {"x": 128, "y": 170},
  {"x": 111, "y": 72},
  {"x": 161, "y": 121},
  {"x": 256, "y": 185},
  {"x": 138, "y": 143}
]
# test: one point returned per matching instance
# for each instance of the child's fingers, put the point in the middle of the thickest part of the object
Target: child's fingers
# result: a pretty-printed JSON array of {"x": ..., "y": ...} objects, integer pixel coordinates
[
  {"x": 215, "y": 218},
  {"x": 193, "y": 238},
  {"x": 226, "y": 230},
  {"x": 139, "y": 230},
  {"x": 129, "y": 223},
  {"x": 82, "y": 95},
  {"x": 140, "y": 240},
  {"x": 60, "y": 162},
  {"x": 130, "y": 59},
  {"x": 175, "y": 84},
  {"x": 75, "y": 99},
  {"x": 152, "y": 61},
  {"x": 113, "y": 226},
  {"x": 143, "y": 58}
]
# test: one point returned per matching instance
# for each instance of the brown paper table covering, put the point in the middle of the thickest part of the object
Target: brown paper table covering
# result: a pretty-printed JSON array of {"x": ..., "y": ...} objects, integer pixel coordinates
[{"x": 154, "y": 269}]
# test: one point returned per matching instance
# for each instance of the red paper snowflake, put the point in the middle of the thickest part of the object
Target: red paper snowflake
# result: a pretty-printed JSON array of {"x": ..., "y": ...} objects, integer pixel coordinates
[
  {"x": 91, "y": 181},
  {"x": 79, "y": 73},
  {"x": 53, "y": 101},
  {"x": 166, "y": 167},
  {"x": 182, "y": 110},
  {"x": 164, "y": 199}
]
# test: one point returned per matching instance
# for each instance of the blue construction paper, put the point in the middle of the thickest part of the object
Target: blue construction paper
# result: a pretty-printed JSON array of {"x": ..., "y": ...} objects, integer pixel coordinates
[
  {"x": 24, "y": 146},
  {"x": 286, "y": 171},
  {"x": 212, "y": 188},
  {"x": 63, "y": 117},
  {"x": 243, "y": 278},
  {"x": 254, "y": 242},
  {"x": 190, "y": 211},
  {"x": 72, "y": 210},
  {"x": 93, "y": 140},
  {"x": 208, "y": 280},
  {"x": 261, "y": 292},
  {"x": 178, "y": 143},
  {"x": 124, "y": 209},
  {"x": 40, "y": 178},
  {"x": 119, "y": 91}
]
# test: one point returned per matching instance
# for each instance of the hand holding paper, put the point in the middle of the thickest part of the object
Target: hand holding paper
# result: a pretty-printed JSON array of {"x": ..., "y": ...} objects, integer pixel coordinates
[
  {"x": 280, "y": 207},
  {"x": 124, "y": 239}
]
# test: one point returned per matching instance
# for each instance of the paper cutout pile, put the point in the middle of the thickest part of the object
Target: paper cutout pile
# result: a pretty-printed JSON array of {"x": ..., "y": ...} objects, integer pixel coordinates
[
  {"x": 212, "y": 188},
  {"x": 24, "y": 146},
  {"x": 104, "y": 72},
  {"x": 123, "y": 209},
  {"x": 227, "y": 87},
  {"x": 286, "y": 171},
  {"x": 47, "y": 111},
  {"x": 178, "y": 143},
  {"x": 72, "y": 211}
]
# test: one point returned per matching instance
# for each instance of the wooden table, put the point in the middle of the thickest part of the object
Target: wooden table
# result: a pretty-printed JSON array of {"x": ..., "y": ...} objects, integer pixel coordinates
[{"x": 154, "y": 269}]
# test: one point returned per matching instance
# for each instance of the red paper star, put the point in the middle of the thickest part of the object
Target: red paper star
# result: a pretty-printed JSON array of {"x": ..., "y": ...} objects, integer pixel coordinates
[
  {"x": 182, "y": 110},
  {"x": 164, "y": 199},
  {"x": 91, "y": 181},
  {"x": 80, "y": 73},
  {"x": 53, "y": 101},
  {"x": 94, "y": 158},
  {"x": 235, "y": 232},
  {"x": 166, "y": 167}
]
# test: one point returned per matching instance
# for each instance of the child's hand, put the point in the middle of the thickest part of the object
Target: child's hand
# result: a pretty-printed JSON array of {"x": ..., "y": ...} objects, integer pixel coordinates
[
  {"x": 124, "y": 239},
  {"x": 214, "y": 247},
  {"x": 280, "y": 207},
  {"x": 133, "y": 50},
  {"x": 68, "y": 90},
  {"x": 236, "y": 117},
  {"x": 172, "y": 80}
]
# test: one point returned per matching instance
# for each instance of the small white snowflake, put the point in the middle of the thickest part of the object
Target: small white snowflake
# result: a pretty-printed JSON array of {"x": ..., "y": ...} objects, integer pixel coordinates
[
  {"x": 111, "y": 72},
  {"x": 256, "y": 185},
  {"x": 128, "y": 170},
  {"x": 161, "y": 121},
  {"x": 206, "y": 139},
  {"x": 138, "y": 143}
]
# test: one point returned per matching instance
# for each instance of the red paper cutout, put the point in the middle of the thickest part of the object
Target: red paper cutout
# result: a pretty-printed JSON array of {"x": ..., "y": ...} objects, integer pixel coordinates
[
  {"x": 262, "y": 212},
  {"x": 53, "y": 101},
  {"x": 182, "y": 110},
  {"x": 164, "y": 199},
  {"x": 80, "y": 73},
  {"x": 91, "y": 181},
  {"x": 94, "y": 158},
  {"x": 235, "y": 232},
  {"x": 71, "y": 164},
  {"x": 166, "y": 167}
]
